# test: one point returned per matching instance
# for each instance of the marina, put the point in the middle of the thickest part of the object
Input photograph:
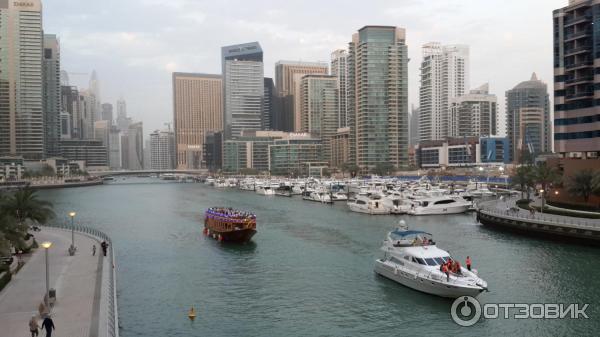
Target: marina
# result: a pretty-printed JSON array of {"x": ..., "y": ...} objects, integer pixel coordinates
[{"x": 309, "y": 263}]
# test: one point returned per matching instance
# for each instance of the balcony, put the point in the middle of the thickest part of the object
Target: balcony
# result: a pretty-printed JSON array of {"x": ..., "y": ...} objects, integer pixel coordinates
[
  {"x": 581, "y": 79},
  {"x": 578, "y": 50},
  {"x": 574, "y": 36},
  {"x": 580, "y": 95},
  {"x": 579, "y": 65},
  {"x": 579, "y": 19}
]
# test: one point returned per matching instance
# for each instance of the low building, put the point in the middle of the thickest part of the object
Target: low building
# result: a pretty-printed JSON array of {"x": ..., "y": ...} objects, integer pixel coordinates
[
  {"x": 250, "y": 151},
  {"x": 64, "y": 167},
  {"x": 11, "y": 168},
  {"x": 91, "y": 151},
  {"x": 289, "y": 156},
  {"x": 462, "y": 152}
]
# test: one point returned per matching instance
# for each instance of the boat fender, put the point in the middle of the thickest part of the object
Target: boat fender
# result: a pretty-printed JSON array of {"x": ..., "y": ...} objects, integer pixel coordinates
[
  {"x": 220, "y": 238},
  {"x": 395, "y": 271}
]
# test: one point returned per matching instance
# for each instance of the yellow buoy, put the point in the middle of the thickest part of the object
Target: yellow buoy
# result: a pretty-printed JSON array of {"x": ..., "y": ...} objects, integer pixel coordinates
[{"x": 192, "y": 313}]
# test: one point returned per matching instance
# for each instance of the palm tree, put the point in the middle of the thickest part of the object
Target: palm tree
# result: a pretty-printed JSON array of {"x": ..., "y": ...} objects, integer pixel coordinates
[
  {"x": 581, "y": 184},
  {"x": 522, "y": 178},
  {"x": 545, "y": 176},
  {"x": 24, "y": 205}
]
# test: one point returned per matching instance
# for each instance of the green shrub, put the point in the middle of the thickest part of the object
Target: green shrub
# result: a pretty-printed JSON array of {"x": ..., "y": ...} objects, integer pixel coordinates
[{"x": 4, "y": 279}]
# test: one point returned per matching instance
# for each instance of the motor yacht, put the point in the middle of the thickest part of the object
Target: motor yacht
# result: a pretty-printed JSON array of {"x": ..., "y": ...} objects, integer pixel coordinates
[
  {"x": 265, "y": 190},
  {"x": 368, "y": 203},
  {"x": 318, "y": 196},
  {"x": 439, "y": 205},
  {"x": 412, "y": 259},
  {"x": 339, "y": 196}
]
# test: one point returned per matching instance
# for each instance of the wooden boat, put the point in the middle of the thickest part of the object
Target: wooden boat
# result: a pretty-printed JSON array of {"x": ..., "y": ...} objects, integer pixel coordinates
[{"x": 229, "y": 225}]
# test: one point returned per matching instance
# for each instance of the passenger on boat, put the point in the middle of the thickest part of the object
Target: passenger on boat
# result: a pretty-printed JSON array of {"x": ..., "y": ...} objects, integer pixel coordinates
[
  {"x": 445, "y": 271},
  {"x": 469, "y": 263}
]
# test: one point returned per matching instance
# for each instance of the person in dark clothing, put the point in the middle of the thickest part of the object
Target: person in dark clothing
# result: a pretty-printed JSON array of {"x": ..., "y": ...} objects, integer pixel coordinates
[
  {"x": 104, "y": 246},
  {"x": 48, "y": 324}
]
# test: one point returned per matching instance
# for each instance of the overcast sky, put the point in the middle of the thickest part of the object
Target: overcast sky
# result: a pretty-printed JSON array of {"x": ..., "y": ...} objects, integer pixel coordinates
[{"x": 135, "y": 45}]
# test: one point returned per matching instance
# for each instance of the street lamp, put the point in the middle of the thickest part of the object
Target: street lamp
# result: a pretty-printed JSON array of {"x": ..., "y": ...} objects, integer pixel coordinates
[
  {"x": 542, "y": 194},
  {"x": 72, "y": 248},
  {"x": 47, "y": 245}
]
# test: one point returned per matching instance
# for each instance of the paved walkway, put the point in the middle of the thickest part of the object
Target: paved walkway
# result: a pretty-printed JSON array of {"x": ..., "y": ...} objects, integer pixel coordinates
[
  {"x": 75, "y": 312},
  {"x": 509, "y": 207}
]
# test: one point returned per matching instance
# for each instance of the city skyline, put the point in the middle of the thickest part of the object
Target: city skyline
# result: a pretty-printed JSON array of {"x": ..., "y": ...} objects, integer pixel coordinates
[{"x": 132, "y": 53}]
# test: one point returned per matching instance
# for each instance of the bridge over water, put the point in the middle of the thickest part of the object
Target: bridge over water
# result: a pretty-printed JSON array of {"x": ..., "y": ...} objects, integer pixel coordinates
[{"x": 144, "y": 172}]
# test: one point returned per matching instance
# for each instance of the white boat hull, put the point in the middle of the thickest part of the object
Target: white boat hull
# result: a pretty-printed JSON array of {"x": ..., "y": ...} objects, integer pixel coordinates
[
  {"x": 426, "y": 285},
  {"x": 372, "y": 211},
  {"x": 439, "y": 210}
]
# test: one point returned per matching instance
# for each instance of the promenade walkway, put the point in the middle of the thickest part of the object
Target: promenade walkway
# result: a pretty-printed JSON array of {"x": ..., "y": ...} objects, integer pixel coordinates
[
  {"x": 77, "y": 280},
  {"x": 508, "y": 207}
]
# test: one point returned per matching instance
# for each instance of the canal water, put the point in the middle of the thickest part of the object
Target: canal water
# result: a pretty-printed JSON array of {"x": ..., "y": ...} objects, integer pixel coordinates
[{"x": 309, "y": 269}]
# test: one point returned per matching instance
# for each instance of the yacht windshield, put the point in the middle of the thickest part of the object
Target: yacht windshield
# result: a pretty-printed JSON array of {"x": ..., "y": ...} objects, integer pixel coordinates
[{"x": 430, "y": 262}]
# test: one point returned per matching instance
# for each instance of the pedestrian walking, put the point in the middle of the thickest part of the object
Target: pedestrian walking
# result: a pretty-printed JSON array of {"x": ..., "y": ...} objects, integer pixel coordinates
[
  {"x": 33, "y": 326},
  {"x": 48, "y": 324},
  {"x": 93, "y": 250},
  {"x": 104, "y": 246}
]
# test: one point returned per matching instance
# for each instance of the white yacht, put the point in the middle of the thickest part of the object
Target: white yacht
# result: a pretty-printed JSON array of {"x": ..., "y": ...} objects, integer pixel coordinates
[
  {"x": 265, "y": 190},
  {"x": 318, "y": 196},
  {"x": 439, "y": 205},
  {"x": 397, "y": 202},
  {"x": 339, "y": 196},
  {"x": 417, "y": 265},
  {"x": 369, "y": 204}
]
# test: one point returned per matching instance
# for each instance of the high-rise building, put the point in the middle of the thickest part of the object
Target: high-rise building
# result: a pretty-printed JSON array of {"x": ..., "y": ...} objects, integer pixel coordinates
[
  {"x": 378, "y": 97},
  {"x": 21, "y": 106},
  {"x": 162, "y": 150},
  {"x": 107, "y": 112},
  {"x": 444, "y": 76},
  {"x": 135, "y": 146},
  {"x": 70, "y": 106},
  {"x": 114, "y": 148},
  {"x": 413, "y": 130},
  {"x": 287, "y": 81},
  {"x": 269, "y": 106},
  {"x": 102, "y": 132},
  {"x": 576, "y": 80},
  {"x": 212, "y": 155},
  {"x": 52, "y": 95},
  {"x": 122, "y": 120},
  {"x": 339, "y": 69},
  {"x": 243, "y": 88},
  {"x": 197, "y": 110},
  {"x": 92, "y": 151},
  {"x": 65, "y": 125},
  {"x": 524, "y": 96},
  {"x": 474, "y": 114},
  {"x": 88, "y": 113},
  {"x": 340, "y": 147},
  {"x": 94, "y": 86},
  {"x": 319, "y": 109}
]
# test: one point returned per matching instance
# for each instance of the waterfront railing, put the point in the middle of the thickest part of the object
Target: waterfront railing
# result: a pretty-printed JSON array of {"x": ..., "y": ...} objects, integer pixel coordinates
[
  {"x": 515, "y": 213},
  {"x": 113, "y": 313}
]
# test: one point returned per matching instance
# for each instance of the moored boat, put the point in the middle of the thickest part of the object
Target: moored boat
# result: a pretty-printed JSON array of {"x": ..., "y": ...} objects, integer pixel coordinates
[{"x": 229, "y": 225}]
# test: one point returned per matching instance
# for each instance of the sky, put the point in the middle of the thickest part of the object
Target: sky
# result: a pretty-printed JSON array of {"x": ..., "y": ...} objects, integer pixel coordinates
[{"x": 136, "y": 45}]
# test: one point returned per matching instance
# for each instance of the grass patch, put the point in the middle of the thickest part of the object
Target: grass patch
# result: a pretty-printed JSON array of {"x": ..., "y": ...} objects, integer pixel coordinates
[
  {"x": 576, "y": 207},
  {"x": 525, "y": 204},
  {"x": 4, "y": 279}
]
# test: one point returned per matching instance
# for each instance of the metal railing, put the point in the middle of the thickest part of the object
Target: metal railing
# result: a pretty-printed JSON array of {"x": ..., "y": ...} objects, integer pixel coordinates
[
  {"x": 113, "y": 315},
  {"x": 538, "y": 217}
]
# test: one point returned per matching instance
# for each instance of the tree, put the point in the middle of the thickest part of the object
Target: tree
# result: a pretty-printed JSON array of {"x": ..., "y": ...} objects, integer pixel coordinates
[
  {"x": 383, "y": 169},
  {"x": 545, "y": 176},
  {"x": 24, "y": 205},
  {"x": 522, "y": 177},
  {"x": 596, "y": 183},
  {"x": 582, "y": 184},
  {"x": 352, "y": 168}
]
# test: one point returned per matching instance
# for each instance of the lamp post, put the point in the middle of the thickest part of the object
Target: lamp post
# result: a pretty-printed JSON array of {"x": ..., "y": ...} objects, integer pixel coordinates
[
  {"x": 542, "y": 194},
  {"x": 47, "y": 245},
  {"x": 72, "y": 248},
  {"x": 501, "y": 168}
]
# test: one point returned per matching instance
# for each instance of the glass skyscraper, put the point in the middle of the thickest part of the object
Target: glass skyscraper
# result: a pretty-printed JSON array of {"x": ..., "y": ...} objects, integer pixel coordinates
[
  {"x": 378, "y": 97},
  {"x": 243, "y": 88}
]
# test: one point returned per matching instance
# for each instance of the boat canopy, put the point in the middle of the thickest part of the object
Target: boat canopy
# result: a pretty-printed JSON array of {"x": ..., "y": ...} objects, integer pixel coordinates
[{"x": 403, "y": 234}]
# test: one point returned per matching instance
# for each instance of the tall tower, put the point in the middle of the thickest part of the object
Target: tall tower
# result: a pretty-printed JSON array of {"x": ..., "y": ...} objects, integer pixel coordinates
[
  {"x": 378, "y": 97},
  {"x": 320, "y": 115},
  {"x": 197, "y": 112},
  {"x": 474, "y": 114},
  {"x": 339, "y": 69},
  {"x": 576, "y": 80},
  {"x": 288, "y": 75},
  {"x": 21, "y": 110},
  {"x": 52, "y": 96},
  {"x": 243, "y": 88},
  {"x": 524, "y": 98},
  {"x": 444, "y": 76}
]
